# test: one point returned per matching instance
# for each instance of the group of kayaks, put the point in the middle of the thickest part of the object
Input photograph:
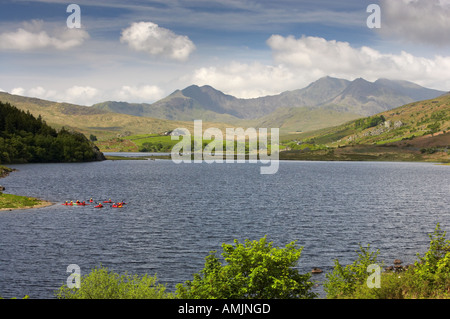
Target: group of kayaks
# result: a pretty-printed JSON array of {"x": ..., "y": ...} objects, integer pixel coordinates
[{"x": 99, "y": 205}]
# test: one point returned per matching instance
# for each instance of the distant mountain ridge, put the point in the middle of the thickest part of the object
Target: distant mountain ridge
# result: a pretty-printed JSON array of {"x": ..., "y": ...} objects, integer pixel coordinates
[
  {"x": 324, "y": 103},
  {"x": 358, "y": 97}
]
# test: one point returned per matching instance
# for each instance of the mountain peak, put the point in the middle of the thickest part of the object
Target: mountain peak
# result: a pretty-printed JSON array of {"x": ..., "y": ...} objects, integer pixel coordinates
[
  {"x": 358, "y": 96},
  {"x": 361, "y": 80}
]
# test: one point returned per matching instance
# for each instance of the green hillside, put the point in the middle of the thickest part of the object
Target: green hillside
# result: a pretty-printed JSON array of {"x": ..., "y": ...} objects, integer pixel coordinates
[
  {"x": 416, "y": 131},
  {"x": 109, "y": 129},
  {"x": 87, "y": 120},
  {"x": 301, "y": 119},
  {"x": 24, "y": 139}
]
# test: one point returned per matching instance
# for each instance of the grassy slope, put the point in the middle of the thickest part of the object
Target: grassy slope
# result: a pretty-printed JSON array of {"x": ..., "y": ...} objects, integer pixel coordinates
[
  {"x": 410, "y": 141},
  {"x": 300, "y": 119},
  {"x": 9, "y": 201},
  {"x": 104, "y": 125}
]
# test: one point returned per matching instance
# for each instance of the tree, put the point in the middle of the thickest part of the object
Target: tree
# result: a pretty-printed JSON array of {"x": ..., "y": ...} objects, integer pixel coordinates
[
  {"x": 26, "y": 139},
  {"x": 253, "y": 270}
]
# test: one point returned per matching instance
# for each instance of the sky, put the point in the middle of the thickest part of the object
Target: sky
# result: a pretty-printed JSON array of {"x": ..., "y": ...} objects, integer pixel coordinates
[{"x": 141, "y": 51}]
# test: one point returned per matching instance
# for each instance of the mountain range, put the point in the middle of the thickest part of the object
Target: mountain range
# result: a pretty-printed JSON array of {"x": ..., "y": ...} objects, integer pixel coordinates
[
  {"x": 338, "y": 100},
  {"x": 324, "y": 103}
]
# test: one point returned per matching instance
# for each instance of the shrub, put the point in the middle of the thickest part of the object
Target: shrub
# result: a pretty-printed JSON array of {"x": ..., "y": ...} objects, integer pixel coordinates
[
  {"x": 432, "y": 271},
  {"x": 428, "y": 278},
  {"x": 344, "y": 280},
  {"x": 102, "y": 284},
  {"x": 254, "y": 270}
]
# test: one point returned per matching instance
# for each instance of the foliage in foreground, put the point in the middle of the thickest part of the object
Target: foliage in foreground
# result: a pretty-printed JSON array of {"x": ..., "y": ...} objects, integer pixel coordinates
[
  {"x": 258, "y": 270},
  {"x": 428, "y": 278},
  {"x": 253, "y": 270},
  {"x": 103, "y": 284},
  {"x": 344, "y": 280}
]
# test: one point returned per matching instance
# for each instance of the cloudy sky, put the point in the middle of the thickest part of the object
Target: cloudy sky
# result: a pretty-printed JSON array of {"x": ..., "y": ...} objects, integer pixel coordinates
[{"x": 141, "y": 51}]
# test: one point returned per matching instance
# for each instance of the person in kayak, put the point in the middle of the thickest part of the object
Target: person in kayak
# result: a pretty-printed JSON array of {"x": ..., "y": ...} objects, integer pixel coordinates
[{"x": 99, "y": 205}]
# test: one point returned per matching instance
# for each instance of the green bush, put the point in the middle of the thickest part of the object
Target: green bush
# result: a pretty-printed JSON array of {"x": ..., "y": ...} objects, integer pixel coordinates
[
  {"x": 254, "y": 270},
  {"x": 344, "y": 281},
  {"x": 102, "y": 284},
  {"x": 428, "y": 278},
  {"x": 257, "y": 270},
  {"x": 369, "y": 122},
  {"x": 432, "y": 271}
]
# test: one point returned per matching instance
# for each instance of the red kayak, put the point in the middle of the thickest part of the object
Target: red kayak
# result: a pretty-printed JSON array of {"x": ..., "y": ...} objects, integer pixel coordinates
[
  {"x": 99, "y": 206},
  {"x": 108, "y": 201}
]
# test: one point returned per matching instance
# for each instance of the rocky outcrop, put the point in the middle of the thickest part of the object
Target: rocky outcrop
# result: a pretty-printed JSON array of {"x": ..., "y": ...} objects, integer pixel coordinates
[
  {"x": 380, "y": 129},
  {"x": 397, "y": 267},
  {"x": 99, "y": 156},
  {"x": 316, "y": 270}
]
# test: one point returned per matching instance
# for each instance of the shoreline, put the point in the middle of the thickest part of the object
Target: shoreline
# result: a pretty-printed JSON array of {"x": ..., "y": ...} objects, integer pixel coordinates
[
  {"x": 12, "y": 198},
  {"x": 42, "y": 204},
  {"x": 319, "y": 158}
]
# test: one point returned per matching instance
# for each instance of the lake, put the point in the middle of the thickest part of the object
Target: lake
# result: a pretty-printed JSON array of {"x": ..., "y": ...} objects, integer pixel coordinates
[{"x": 177, "y": 213}]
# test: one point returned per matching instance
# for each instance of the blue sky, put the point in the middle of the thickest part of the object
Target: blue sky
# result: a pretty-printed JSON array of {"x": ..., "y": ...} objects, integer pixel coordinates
[{"x": 141, "y": 51}]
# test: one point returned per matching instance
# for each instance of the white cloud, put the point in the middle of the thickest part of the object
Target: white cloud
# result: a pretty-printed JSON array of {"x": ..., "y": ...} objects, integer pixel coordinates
[
  {"x": 419, "y": 21},
  {"x": 300, "y": 61},
  {"x": 18, "y": 91},
  {"x": 321, "y": 57},
  {"x": 140, "y": 94},
  {"x": 32, "y": 36},
  {"x": 157, "y": 41},
  {"x": 245, "y": 80},
  {"x": 84, "y": 95},
  {"x": 42, "y": 93},
  {"x": 88, "y": 95}
]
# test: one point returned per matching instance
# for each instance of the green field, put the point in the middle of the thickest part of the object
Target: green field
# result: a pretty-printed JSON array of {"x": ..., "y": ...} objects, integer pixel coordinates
[
  {"x": 158, "y": 143},
  {"x": 9, "y": 201},
  {"x": 152, "y": 142}
]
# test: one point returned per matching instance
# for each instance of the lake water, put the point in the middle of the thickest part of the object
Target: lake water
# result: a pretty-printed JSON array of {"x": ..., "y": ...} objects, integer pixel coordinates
[{"x": 177, "y": 214}]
